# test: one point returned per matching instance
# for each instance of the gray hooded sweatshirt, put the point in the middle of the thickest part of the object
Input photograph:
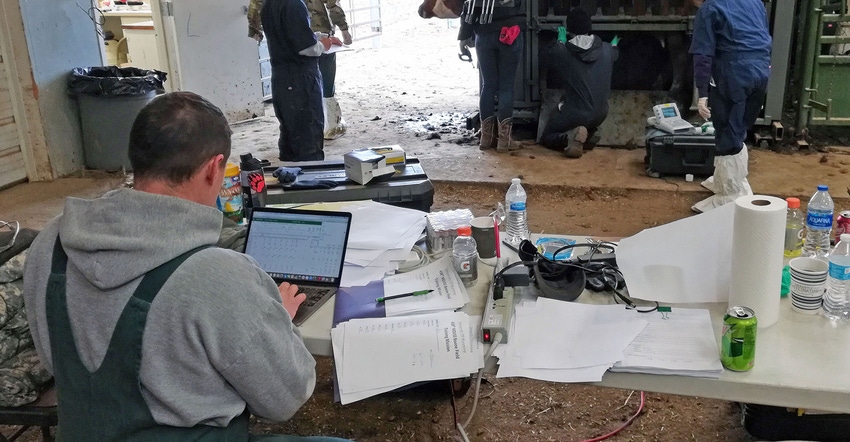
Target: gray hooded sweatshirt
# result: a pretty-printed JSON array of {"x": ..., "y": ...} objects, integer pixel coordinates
[{"x": 217, "y": 336}]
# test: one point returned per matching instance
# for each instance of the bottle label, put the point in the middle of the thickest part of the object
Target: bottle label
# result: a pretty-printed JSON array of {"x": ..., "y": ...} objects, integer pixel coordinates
[
  {"x": 839, "y": 272},
  {"x": 819, "y": 220},
  {"x": 793, "y": 238},
  {"x": 519, "y": 205}
]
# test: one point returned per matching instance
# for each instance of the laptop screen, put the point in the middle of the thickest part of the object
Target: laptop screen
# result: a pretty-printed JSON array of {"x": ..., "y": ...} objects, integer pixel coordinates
[{"x": 299, "y": 245}]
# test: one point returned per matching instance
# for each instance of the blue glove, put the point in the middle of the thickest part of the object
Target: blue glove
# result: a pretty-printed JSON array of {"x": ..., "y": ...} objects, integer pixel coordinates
[
  {"x": 286, "y": 174},
  {"x": 313, "y": 184}
]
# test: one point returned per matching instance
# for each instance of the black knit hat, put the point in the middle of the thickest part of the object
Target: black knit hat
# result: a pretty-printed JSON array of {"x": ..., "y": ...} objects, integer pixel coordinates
[{"x": 578, "y": 22}]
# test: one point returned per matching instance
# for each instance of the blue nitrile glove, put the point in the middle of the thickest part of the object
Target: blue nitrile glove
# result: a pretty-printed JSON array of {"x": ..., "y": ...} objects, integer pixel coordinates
[
  {"x": 313, "y": 184},
  {"x": 286, "y": 174},
  {"x": 615, "y": 40},
  {"x": 562, "y": 34}
]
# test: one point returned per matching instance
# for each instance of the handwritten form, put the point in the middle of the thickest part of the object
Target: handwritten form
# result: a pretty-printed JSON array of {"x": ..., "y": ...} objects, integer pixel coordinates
[
  {"x": 381, "y": 354},
  {"x": 440, "y": 276}
]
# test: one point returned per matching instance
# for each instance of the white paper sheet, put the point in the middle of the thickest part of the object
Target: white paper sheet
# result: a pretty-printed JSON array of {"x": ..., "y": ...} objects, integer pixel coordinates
[
  {"x": 557, "y": 334},
  {"x": 679, "y": 342},
  {"x": 686, "y": 261},
  {"x": 379, "y": 226},
  {"x": 385, "y": 352},
  {"x": 440, "y": 276}
]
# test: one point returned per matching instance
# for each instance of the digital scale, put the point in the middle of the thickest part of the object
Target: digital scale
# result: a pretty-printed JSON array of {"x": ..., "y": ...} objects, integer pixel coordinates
[{"x": 667, "y": 118}]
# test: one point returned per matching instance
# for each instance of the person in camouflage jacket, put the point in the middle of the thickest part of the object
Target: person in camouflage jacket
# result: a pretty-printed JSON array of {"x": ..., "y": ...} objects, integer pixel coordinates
[
  {"x": 22, "y": 375},
  {"x": 325, "y": 17}
]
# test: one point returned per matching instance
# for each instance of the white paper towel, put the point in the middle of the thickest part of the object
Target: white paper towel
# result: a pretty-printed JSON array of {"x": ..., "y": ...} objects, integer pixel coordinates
[{"x": 758, "y": 235}]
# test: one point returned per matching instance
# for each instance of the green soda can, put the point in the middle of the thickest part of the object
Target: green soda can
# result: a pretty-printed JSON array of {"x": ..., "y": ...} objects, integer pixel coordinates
[{"x": 738, "y": 342}]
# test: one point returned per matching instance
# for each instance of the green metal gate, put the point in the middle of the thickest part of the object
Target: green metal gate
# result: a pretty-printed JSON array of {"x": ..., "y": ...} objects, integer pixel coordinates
[{"x": 825, "y": 83}]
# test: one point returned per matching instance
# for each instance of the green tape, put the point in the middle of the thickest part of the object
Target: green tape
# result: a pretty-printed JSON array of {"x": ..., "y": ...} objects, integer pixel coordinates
[{"x": 664, "y": 309}]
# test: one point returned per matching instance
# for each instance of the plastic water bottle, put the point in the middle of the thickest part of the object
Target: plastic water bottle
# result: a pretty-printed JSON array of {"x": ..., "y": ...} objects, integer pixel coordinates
[
  {"x": 819, "y": 224},
  {"x": 836, "y": 300},
  {"x": 465, "y": 256},
  {"x": 794, "y": 222},
  {"x": 517, "y": 223}
]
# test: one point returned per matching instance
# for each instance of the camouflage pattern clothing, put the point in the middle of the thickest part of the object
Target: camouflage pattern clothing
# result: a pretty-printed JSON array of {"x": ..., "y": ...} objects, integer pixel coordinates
[
  {"x": 22, "y": 375},
  {"x": 324, "y": 16}
]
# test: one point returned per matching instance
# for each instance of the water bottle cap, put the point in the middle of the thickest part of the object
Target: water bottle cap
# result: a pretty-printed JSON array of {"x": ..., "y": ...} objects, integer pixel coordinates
[
  {"x": 793, "y": 203},
  {"x": 464, "y": 231},
  {"x": 823, "y": 187},
  {"x": 514, "y": 180},
  {"x": 845, "y": 237}
]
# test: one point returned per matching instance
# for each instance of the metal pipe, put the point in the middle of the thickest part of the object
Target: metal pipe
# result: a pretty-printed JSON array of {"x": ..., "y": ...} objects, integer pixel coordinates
[{"x": 809, "y": 61}]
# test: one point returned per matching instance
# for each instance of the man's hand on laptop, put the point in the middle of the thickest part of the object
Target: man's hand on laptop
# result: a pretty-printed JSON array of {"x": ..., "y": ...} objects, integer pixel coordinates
[{"x": 290, "y": 297}]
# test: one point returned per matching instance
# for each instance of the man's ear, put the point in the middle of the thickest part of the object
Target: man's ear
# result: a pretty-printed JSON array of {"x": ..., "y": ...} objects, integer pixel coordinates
[{"x": 212, "y": 168}]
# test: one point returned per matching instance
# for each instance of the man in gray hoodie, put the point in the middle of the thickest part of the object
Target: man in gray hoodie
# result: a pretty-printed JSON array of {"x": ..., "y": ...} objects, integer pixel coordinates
[
  {"x": 150, "y": 331},
  {"x": 582, "y": 67}
]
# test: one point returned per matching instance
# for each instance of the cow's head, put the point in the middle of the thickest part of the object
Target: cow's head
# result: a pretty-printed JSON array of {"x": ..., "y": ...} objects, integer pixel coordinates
[{"x": 440, "y": 8}]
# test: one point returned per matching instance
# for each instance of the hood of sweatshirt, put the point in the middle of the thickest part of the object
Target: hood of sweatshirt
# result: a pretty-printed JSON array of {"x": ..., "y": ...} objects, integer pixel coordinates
[
  {"x": 122, "y": 235},
  {"x": 588, "y": 48}
]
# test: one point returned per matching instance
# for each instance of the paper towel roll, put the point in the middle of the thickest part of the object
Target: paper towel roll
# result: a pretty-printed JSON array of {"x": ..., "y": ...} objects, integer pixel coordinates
[{"x": 758, "y": 236}]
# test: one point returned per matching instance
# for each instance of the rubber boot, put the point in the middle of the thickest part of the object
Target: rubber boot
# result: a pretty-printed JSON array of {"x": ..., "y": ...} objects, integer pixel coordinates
[
  {"x": 709, "y": 182},
  {"x": 489, "y": 134},
  {"x": 730, "y": 182},
  {"x": 334, "y": 123},
  {"x": 506, "y": 142},
  {"x": 576, "y": 138}
]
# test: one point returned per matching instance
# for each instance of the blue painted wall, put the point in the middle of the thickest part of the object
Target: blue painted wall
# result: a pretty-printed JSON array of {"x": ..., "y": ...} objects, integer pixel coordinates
[{"x": 60, "y": 36}]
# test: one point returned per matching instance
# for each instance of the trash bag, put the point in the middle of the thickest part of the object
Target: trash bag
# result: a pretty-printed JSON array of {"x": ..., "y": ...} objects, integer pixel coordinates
[{"x": 112, "y": 81}]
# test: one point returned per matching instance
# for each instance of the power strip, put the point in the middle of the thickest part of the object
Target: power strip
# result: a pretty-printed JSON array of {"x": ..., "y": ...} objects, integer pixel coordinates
[{"x": 498, "y": 314}]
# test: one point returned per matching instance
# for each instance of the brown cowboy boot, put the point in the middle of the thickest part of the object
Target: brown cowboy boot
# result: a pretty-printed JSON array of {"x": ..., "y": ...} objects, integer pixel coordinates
[
  {"x": 489, "y": 135},
  {"x": 506, "y": 142}
]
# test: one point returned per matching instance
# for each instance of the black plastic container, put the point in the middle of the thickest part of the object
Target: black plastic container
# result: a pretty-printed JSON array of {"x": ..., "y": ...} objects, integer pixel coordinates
[
  {"x": 678, "y": 154},
  {"x": 411, "y": 188}
]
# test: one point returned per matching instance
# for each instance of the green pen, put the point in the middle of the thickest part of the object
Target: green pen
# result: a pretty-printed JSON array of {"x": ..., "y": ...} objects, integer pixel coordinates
[{"x": 403, "y": 295}]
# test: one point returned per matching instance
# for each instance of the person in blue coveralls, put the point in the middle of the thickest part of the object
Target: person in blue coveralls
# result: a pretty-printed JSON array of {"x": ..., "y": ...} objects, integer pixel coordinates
[
  {"x": 294, "y": 51},
  {"x": 731, "y": 48}
]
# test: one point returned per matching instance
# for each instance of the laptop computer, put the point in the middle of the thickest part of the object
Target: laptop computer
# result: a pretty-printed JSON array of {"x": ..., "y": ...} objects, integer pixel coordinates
[{"x": 302, "y": 247}]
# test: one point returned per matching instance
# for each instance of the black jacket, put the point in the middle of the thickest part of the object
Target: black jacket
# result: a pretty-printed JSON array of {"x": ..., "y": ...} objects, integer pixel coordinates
[{"x": 502, "y": 17}]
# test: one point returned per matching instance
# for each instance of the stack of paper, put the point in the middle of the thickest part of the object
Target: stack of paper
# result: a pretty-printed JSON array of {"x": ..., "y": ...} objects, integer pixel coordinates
[
  {"x": 448, "y": 293},
  {"x": 678, "y": 342},
  {"x": 439, "y": 276},
  {"x": 565, "y": 341},
  {"x": 377, "y": 355},
  {"x": 571, "y": 342},
  {"x": 381, "y": 238}
]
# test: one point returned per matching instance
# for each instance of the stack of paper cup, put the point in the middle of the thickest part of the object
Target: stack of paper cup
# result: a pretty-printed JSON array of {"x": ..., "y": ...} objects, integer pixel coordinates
[{"x": 808, "y": 282}]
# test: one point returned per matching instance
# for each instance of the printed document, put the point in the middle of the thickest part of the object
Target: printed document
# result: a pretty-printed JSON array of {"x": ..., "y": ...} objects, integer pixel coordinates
[
  {"x": 680, "y": 342},
  {"x": 381, "y": 354},
  {"x": 440, "y": 276}
]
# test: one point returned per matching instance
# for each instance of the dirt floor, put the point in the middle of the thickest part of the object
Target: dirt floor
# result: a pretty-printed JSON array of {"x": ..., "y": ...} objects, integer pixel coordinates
[{"x": 390, "y": 95}]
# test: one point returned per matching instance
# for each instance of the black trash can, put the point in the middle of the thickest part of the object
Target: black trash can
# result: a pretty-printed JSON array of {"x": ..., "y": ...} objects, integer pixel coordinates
[{"x": 109, "y": 99}]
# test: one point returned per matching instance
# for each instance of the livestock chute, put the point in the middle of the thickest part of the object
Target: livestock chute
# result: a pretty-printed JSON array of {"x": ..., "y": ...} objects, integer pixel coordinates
[{"x": 654, "y": 65}]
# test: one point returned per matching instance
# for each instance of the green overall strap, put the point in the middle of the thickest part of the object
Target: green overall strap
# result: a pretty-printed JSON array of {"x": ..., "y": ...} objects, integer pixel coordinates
[{"x": 107, "y": 404}]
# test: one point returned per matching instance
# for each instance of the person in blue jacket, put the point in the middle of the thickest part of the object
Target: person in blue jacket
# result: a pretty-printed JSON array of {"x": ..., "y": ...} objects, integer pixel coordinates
[
  {"x": 731, "y": 48},
  {"x": 294, "y": 53}
]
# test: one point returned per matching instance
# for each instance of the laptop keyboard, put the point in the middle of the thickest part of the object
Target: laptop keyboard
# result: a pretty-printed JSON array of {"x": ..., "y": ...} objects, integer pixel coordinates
[{"x": 315, "y": 298}]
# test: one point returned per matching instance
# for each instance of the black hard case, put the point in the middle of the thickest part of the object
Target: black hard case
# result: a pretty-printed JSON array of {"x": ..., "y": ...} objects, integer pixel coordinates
[{"x": 678, "y": 154}]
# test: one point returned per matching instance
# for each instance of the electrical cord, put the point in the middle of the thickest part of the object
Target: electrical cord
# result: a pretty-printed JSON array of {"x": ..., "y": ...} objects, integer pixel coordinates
[
  {"x": 497, "y": 339},
  {"x": 625, "y": 424},
  {"x": 423, "y": 260}
]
